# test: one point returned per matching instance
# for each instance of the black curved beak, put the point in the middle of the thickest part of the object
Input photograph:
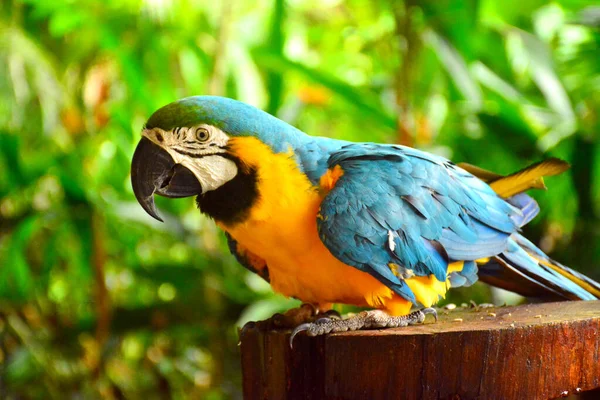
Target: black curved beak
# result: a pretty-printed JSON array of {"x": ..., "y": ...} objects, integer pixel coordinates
[{"x": 154, "y": 171}]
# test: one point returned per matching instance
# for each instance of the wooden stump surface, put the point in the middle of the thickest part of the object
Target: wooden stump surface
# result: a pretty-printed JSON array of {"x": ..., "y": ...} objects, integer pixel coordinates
[{"x": 535, "y": 351}]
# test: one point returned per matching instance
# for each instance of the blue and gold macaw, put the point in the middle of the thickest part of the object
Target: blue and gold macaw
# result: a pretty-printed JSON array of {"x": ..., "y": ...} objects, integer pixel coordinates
[{"x": 328, "y": 221}]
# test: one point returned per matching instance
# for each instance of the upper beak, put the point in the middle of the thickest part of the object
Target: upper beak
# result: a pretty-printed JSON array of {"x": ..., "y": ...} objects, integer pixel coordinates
[{"x": 154, "y": 171}]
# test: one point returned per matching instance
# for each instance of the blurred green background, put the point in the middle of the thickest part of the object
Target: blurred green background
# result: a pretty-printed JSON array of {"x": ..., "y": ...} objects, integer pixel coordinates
[{"x": 98, "y": 300}]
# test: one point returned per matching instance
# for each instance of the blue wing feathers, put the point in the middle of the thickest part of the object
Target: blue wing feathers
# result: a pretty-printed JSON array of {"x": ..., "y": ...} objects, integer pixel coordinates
[
  {"x": 527, "y": 205},
  {"x": 466, "y": 277},
  {"x": 397, "y": 201}
]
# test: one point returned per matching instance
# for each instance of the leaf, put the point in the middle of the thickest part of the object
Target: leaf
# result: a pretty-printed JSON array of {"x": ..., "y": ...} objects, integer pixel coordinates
[
  {"x": 16, "y": 279},
  {"x": 183, "y": 278},
  {"x": 457, "y": 69},
  {"x": 492, "y": 81},
  {"x": 509, "y": 12},
  {"x": 545, "y": 77},
  {"x": 249, "y": 84},
  {"x": 275, "y": 43},
  {"x": 590, "y": 16},
  {"x": 67, "y": 20},
  {"x": 455, "y": 20},
  {"x": 22, "y": 367},
  {"x": 44, "y": 82},
  {"x": 10, "y": 152}
]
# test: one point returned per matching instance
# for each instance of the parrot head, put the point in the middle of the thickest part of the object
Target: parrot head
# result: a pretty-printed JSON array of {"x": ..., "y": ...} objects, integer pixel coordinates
[{"x": 186, "y": 150}]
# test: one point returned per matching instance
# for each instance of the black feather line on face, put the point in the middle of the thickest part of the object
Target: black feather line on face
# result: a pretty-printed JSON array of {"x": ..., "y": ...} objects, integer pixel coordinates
[
  {"x": 216, "y": 152},
  {"x": 192, "y": 155},
  {"x": 232, "y": 202}
]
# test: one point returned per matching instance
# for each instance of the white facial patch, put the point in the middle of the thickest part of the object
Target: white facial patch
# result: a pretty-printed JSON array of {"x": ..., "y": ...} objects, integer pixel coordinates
[
  {"x": 212, "y": 171},
  {"x": 198, "y": 148}
]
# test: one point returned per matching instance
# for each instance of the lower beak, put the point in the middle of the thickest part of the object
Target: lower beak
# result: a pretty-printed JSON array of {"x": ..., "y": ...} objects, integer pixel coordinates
[{"x": 154, "y": 171}]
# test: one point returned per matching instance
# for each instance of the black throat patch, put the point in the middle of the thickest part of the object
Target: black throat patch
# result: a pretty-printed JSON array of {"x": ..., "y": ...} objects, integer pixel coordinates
[{"x": 231, "y": 203}]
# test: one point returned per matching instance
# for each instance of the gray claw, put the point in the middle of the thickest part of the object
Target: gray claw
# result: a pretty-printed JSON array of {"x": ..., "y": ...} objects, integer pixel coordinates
[
  {"x": 297, "y": 330},
  {"x": 430, "y": 310}
]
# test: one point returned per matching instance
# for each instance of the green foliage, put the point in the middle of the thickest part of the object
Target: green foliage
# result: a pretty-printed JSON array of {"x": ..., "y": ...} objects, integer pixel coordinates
[{"x": 98, "y": 300}]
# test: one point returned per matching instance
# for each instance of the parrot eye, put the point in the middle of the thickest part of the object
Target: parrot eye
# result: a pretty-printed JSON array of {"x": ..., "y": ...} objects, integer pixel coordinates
[{"x": 202, "y": 134}]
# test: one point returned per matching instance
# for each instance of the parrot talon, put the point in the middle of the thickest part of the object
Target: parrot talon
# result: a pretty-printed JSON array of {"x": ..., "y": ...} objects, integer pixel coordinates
[
  {"x": 297, "y": 330},
  {"x": 432, "y": 311},
  {"x": 374, "y": 319}
]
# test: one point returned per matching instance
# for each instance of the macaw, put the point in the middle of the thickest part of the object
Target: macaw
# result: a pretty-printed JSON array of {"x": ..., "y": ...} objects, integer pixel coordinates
[{"x": 326, "y": 221}]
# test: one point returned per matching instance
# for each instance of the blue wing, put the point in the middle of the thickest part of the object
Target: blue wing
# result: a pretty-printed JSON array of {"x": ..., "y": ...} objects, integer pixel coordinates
[{"x": 400, "y": 207}]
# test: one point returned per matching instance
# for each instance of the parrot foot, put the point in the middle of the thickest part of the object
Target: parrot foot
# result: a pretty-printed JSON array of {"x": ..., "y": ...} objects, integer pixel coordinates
[
  {"x": 292, "y": 318},
  {"x": 364, "y": 320}
]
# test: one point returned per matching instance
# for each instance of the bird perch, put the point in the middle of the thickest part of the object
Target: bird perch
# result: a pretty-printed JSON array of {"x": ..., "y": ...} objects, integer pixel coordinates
[{"x": 535, "y": 351}]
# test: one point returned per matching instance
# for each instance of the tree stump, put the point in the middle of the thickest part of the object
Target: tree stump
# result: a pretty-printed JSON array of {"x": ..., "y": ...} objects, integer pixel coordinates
[{"x": 535, "y": 351}]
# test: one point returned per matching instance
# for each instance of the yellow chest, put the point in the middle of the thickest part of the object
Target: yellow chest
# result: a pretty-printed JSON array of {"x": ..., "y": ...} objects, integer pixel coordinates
[
  {"x": 299, "y": 264},
  {"x": 281, "y": 228}
]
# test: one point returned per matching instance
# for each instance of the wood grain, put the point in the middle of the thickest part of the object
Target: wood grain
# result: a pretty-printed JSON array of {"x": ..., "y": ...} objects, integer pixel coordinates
[{"x": 535, "y": 351}]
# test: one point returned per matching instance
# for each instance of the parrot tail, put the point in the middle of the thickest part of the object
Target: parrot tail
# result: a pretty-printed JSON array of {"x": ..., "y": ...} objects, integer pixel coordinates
[
  {"x": 531, "y": 177},
  {"x": 523, "y": 268}
]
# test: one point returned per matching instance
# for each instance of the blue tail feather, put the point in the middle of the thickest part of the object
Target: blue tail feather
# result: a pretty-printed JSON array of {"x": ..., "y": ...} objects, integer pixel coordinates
[{"x": 521, "y": 263}]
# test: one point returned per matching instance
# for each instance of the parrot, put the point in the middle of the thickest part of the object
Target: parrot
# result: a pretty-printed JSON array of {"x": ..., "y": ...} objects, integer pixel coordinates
[{"x": 381, "y": 226}]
